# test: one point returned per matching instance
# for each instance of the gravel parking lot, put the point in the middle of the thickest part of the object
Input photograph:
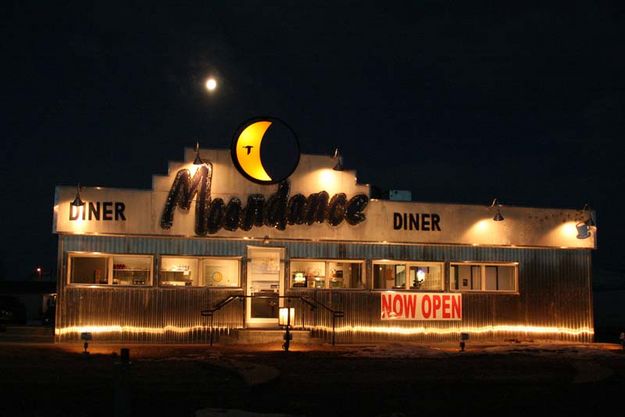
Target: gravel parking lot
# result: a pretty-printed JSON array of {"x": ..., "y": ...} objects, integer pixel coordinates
[{"x": 368, "y": 380}]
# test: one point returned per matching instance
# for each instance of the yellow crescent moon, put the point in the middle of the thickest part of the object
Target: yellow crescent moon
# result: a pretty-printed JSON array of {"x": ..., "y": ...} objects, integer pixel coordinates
[{"x": 248, "y": 150}]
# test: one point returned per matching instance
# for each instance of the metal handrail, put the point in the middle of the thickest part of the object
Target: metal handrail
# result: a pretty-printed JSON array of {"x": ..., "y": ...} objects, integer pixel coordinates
[
  {"x": 312, "y": 303},
  {"x": 211, "y": 312},
  {"x": 335, "y": 315}
]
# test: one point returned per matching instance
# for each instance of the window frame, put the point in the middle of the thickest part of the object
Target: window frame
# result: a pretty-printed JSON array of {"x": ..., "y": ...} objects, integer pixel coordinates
[
  {"x": 200, "y": 267},
  {"x": 407, "y": 265},
  {"x": 109, "y": 266},
  {"x": 483, "y": 266},
  {"x": 326, "y": 261}
]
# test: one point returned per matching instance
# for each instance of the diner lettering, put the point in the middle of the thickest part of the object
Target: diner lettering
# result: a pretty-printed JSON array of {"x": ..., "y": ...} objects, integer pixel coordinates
[
  {"x": 279, "y": 210},
  {"x": 99, "y": 211},
  {"x": 426, "y": 222}
]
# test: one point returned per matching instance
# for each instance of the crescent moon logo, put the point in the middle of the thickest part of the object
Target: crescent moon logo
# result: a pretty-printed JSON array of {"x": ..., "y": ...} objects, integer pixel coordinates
[{"x": 265, "y": 150}]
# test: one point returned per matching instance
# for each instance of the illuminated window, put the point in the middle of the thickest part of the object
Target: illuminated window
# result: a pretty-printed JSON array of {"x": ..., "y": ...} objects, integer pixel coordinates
[
  {"x": 326, "y": 274},
  {"x": 178, "y": 272},
  {"x": 105, "y": 269},
  {"x": 483, "y": 277},
  {"x": 220, "y": 272},
  {"x": 466, "y": 277},
  {"x": 400, "y": 275},
  {"x": 198, "y": 272},
  {"x": 88, "y": 270},
  {"x": 132, "y": 270},
  {"x": 500, "y": 278}
]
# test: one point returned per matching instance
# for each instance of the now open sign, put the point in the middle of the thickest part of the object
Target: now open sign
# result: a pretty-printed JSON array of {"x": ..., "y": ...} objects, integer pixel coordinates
[{"x": 420, "y": 306}]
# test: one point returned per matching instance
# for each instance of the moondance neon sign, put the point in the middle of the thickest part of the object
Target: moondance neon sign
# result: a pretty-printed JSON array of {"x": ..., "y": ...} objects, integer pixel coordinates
[{"x": 278, "y": 211}]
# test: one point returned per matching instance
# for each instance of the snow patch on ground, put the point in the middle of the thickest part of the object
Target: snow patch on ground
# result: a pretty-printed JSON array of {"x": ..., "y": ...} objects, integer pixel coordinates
[
  {"x": 397, "y": 350},
  {"x": 552, "y": 348},
  {"x": 414, "y": 350},
  {"x": 218, "y": 412}
]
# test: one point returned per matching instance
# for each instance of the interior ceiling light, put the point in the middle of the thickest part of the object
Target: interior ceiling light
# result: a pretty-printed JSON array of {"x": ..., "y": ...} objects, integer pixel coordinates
[
  {"x": 498, "y": 216},
  {"x": 339, "y": 160},
  {"x": 197, "y": 160},
  {"x": 77, "y": 200}
]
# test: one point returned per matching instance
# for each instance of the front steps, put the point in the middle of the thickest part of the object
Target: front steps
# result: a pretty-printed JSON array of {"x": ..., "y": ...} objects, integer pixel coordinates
[{"x": 273, "y": 335}]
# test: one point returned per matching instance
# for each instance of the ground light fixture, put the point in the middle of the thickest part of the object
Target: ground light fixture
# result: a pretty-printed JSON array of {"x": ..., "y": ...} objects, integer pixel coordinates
[
  {"x": 339, "y": 160},
  {"x": 463, "y": 338},
  {"x": 197, "y": 160},
  {"x": 285, "y": 318},
  {"x": 77, "y": 200},
  {"x": 498, "y": 216},
  {"x": 86, "y": 337}
]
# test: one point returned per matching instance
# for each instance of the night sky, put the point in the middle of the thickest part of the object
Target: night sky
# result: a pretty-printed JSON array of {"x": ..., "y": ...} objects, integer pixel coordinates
[{"x": 456, "y": 101}]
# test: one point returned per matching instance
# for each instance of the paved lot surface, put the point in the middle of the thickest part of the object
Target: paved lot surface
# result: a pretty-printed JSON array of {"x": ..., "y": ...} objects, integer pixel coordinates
[{"x": 368, "y": 380}]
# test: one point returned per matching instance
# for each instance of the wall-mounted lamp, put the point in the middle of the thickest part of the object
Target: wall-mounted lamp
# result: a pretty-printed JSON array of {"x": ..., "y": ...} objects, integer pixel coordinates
[
  {"x": 498, "y": 216},
  {"x": 197, "y": 160},
  {"x": 77, "y": 200},
  {"x": 339, "y": 160},
  {"x": 266, "y": 240},
  {"x": 590, "y": 221},
  {"x": 584, "y": 228}
]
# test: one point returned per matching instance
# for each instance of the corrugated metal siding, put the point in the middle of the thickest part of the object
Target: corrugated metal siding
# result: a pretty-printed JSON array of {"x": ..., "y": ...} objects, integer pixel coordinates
[
  {"x": 145, "y": 314},
  {"x": 554, "y": 299}
]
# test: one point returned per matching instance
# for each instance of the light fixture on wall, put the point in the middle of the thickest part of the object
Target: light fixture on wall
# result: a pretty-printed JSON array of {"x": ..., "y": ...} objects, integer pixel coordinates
[
  {"x": 498, "y": 216},
  {"x": 266, "y": 240},
  {"x": 339, "y": 160},
  {"x": 583, "y": 230},
  {"x": 584, "y": 227},
  {"x": 197, "y": 160},
  {"x": 591, "y": 221},
  {"x": 77, "y": 200}
]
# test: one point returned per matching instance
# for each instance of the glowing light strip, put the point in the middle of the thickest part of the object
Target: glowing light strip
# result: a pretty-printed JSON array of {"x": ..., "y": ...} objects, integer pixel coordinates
[
  {"x": 132, "y": 329},
  {"x": 456, "y": 330},
  {"x": 344, "y": 329}
]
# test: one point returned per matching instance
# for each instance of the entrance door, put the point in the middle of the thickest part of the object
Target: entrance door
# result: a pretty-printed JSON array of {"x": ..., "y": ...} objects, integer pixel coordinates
[{"x": 265, "y": 269}]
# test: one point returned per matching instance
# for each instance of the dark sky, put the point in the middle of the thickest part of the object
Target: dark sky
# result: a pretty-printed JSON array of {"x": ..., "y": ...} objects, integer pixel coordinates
[{"x": 456, "y": 101}]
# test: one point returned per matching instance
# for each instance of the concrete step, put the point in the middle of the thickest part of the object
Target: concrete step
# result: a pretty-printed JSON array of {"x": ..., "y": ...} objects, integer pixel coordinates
[{"x": 255, "y": 336}]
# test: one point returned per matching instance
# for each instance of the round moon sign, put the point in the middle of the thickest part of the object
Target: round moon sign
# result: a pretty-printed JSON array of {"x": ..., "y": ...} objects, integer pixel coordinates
[
  {"x": 217, "y": 276},
  {"x": 265, "y": 150}
]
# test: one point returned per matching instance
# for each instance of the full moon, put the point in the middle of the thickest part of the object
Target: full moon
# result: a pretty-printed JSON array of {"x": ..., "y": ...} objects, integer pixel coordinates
[{"x": 211, "y": 84}]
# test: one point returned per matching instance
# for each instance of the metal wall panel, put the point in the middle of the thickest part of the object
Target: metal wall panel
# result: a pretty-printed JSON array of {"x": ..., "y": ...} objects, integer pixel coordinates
[
  {"x": 144, "y": 314},
  {"x": 554, "y": 300}
]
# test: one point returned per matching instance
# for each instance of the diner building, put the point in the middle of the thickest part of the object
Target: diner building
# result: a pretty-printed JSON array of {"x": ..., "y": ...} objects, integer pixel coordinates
[{"x": 142, "y": 265}]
